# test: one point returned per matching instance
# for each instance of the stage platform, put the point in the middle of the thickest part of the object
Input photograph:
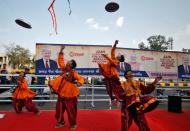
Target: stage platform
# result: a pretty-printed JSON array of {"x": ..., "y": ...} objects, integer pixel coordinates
[{"x": 93, "y": 120}]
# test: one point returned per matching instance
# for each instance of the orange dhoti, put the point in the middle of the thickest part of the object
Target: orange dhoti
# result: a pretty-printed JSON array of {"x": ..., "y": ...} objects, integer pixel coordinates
[
  {"x": 129, "y": 114},
  {"x": 113, "y": 85},
  {"x": 70, "y": 106},
  {"x": 135, "y": 105},
  {"x": 18, "y": 104},
  {"x": 22, "y": 96}
]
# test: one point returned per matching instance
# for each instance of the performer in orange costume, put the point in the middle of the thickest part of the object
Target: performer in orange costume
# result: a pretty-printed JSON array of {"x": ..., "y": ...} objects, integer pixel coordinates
[
  {"x": 135, "y": 105},
  {"x": 22, "y": 96},
  {"x": 66, "y": 86},
  {"x": 109, "y": 71}
]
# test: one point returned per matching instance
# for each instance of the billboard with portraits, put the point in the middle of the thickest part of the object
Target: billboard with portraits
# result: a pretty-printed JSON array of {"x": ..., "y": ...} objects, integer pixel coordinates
[{"x": 143, "y": 63}]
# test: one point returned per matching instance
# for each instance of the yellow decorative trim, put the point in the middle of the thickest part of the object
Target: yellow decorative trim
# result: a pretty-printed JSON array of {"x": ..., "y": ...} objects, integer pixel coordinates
[{"x": 148, "y": 103}]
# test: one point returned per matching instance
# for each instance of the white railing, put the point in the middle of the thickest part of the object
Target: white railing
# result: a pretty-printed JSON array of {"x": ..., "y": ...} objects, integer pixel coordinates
[
  {"x": 4, "y": 97},
  {"x": 46, "y": 89},
  {"x": 85, "y": 97}
]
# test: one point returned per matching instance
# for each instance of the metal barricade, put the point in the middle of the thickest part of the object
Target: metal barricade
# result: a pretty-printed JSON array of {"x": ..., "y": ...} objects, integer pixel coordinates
[{"x": 84, "y": 97}]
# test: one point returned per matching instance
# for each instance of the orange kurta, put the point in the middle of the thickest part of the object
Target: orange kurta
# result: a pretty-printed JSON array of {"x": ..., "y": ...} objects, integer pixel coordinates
[
  {"x": 65, "y": 85},
  {"x": 110, "y": 72},
  {"x": 132, "y": 90},
  {"x": 110, "y": 69},
  {"x": 22, "y": 91}
]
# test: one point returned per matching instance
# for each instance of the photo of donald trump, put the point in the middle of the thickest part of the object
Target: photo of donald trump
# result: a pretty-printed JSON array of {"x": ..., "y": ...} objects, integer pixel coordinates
[
  {"x": 45, "y": 62},
  {"x": 184, "y": 68}
]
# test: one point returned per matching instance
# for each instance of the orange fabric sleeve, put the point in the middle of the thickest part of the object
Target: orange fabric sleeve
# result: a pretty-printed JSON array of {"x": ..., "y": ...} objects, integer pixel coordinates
[
  {"x": 61, "y": 60},
  {"x": 104, "y": 70},
  {"x": 112, "y": 61},
  {"x": 79, "y": 78},
  {"x": 65, "y": 88},
  {"x": 147, "y": 89},
  {"x": 71, "y": 89},
  {"x": 113, "y": 52},
  {"x": 55, "y": 83}
]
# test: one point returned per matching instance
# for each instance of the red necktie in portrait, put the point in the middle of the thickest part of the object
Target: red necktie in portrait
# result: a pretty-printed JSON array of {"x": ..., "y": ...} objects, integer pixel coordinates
[{"x": 47, "y": 66}]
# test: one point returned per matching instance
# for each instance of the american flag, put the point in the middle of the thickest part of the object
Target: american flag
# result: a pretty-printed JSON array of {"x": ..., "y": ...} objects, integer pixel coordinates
[{"x": 53, "y": 16}]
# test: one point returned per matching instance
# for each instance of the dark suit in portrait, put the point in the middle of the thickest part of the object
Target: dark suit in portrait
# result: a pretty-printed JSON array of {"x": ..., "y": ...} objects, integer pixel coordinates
[
  {"x": 124, "y": 67},
  {"x": 41, "y": 65},
  {"x": 50, "y": 65},
  {"x": 182, "y": 69}
]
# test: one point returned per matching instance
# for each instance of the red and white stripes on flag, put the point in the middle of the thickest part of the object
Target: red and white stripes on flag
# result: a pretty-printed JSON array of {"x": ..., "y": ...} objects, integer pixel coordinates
[{"x": 53, "y": 16}]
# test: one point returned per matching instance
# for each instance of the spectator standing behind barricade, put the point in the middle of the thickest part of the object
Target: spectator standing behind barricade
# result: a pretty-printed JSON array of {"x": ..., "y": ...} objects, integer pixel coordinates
[
  {"x": 4, "y": 79},
  {"x": 28, "y": 77},
  {"x": 40, "y": 82},
  {"x": 22, "y": 96},
  {"x": 66, "y": 86},
  {"x": 34, "y": 80},
  {"x": 135, "y": 105}
]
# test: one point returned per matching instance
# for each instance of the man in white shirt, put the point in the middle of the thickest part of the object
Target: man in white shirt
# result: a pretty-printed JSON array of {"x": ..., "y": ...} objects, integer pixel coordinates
[{"x": 27, "y": 76}]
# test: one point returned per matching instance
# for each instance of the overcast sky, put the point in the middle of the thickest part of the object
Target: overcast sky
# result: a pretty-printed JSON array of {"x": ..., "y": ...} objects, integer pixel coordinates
[{"x": 89, "y": 23}]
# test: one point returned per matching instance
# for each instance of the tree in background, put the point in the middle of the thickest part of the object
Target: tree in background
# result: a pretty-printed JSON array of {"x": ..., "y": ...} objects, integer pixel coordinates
[
  {"x": 19, "y": 57},
  {"x": 142, "y": 46},
  {"x": 158, "y": 43}
]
